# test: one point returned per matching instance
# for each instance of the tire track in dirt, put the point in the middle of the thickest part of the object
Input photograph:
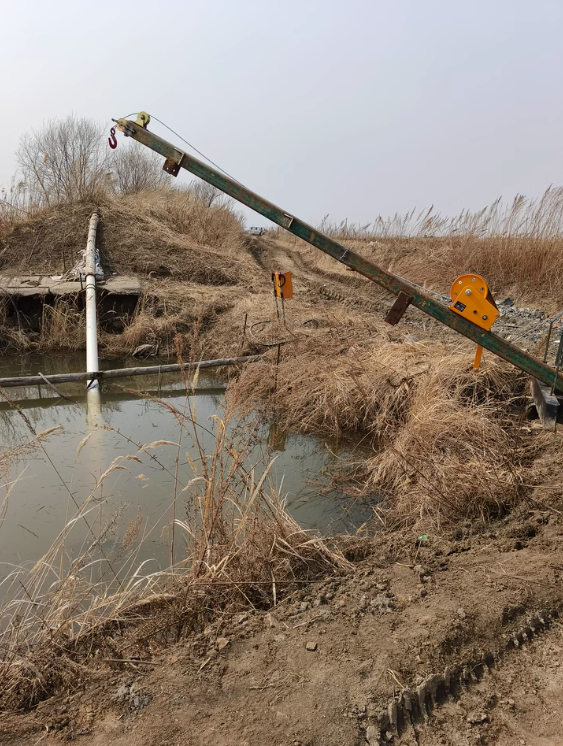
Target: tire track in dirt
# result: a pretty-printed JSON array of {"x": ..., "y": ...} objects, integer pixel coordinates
[
  {"x": 349, "y": 289},
  {"x": 414, "y": 709}
]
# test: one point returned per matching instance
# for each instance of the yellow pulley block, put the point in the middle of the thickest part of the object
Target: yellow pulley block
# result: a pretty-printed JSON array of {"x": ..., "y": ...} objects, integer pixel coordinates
[
  {"x": 143, "y": 119},
  {"x": 472, "y": 299}
]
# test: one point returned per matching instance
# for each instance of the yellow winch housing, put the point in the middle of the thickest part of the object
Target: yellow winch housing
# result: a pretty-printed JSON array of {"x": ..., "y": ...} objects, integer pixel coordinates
[{"x": 472, "y": 299}]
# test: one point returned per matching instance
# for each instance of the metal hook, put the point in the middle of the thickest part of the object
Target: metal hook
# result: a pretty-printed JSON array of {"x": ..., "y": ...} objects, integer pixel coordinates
[{"x": 112, "y": 140}]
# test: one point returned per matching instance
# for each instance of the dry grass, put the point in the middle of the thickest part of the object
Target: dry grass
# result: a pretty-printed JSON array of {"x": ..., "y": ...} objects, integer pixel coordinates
[
  {"x": 63, "y": 325},
  {"x": 336, "y": 384},
  {"x": 528, "y": 269},
  {"x": 442, "y": 438},
  {"x": 458, "y": 454},
  {"x": 147, "y": 326},
  {"x": 239, "y": 550},
  {"x": 518, "y": 247},
  {"x": 159, "y": 233}
]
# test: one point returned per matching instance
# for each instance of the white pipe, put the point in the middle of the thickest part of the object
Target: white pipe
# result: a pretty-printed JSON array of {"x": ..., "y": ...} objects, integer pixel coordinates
[
  {"x": 91, "y": 320},
  {"x": 93, "y": 407}
]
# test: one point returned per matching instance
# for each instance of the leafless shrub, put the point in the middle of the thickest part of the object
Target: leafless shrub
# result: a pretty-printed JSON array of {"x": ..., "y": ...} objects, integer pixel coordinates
[
  {"x": 135, "y": 168},
  {"x": 208, "y": 194},
  {"x": 63, "y": 161}
]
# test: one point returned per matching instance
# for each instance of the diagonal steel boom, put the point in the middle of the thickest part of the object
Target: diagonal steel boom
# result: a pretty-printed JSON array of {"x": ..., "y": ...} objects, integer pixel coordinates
[{"x": 177, "y": 159}]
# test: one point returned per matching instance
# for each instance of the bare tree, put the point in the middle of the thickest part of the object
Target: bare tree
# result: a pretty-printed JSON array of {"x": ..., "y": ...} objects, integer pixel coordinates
[
  {"x": 208, "y": 193},
  {"x": 64, "y": 161},
  {"x": 134, "y": 168}
]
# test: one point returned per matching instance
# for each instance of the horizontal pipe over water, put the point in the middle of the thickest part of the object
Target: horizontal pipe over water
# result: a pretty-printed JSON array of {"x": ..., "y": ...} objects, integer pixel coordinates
[
  {"x": 123, "y": 372},
  {"x": 109, "y": 396}
]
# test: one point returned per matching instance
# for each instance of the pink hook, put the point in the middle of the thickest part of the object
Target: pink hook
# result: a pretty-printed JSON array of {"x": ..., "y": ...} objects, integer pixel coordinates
[{"x": 112, "y": 140}]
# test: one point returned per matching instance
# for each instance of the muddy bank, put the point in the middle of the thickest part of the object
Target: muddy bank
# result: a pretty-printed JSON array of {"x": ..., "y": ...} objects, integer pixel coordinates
[{"x": 378, "y": 654}]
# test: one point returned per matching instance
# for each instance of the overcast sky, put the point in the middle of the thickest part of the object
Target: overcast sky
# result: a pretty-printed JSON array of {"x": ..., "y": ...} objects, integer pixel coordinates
[{"x": 346, "y": 107}]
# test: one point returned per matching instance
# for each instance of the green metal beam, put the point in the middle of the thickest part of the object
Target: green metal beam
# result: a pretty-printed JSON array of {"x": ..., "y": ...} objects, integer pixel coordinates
[{"x": 177, "y": 159}]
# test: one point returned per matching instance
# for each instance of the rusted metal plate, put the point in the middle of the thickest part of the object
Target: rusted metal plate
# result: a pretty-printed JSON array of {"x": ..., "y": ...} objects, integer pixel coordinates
[
  {"x": 397, "y": 310},
  {"x": 171, "y": 167}
]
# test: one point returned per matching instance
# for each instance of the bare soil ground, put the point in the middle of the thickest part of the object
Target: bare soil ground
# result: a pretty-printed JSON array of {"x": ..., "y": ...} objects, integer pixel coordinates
[{"x": 454, "y": 640}]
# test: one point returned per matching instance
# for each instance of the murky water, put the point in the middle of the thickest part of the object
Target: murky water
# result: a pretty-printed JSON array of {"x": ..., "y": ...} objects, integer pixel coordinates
[{"x": 51, "y": 482}]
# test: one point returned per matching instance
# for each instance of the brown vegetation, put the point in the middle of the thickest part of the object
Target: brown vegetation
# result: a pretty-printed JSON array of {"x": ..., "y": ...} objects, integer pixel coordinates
[
  {"x": 518, "y": 248},
  {"x": 441, "y": 442}
]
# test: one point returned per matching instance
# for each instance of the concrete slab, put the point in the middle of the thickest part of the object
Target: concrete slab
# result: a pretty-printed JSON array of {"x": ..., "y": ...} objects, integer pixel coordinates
[
  {"x": 122, "y": 284},
  {"x": 26, "y": 285},
  {"x": 65, "y": 288},
  {"x": 23, "y": 292}
]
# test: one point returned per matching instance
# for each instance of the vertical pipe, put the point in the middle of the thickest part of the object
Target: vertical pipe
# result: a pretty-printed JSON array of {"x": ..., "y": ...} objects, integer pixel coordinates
[
  {"x": 91, "y": 320},
  {"x": 93, "y": 408}
]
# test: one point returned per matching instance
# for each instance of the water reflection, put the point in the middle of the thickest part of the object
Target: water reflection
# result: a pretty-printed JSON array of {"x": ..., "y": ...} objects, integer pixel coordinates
[{"x": 66, "y": 470}]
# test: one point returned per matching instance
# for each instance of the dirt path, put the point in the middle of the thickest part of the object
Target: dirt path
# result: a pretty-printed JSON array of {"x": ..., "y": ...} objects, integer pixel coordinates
[
  {"x": 462, "y": 631},
  {"x": 317, "y": 277}
]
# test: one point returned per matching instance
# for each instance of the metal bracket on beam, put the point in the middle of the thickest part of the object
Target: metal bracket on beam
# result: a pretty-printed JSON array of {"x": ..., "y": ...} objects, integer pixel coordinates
[
  {"x": 397, "y": 310},
  {"x": 547, "y": 405},
  {"x": 287, "y": 221},
  {"x": 172, "y": 166}
]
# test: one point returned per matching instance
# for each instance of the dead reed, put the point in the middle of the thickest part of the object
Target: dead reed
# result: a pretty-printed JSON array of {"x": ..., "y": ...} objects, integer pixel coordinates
[
  {"x": 446, "y": 442},
  {"x": 516, "y": 247}
]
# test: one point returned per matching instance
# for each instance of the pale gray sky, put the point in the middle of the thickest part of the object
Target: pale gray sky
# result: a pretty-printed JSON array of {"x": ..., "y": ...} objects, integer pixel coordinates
[{"x": 347, "y": 107}]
